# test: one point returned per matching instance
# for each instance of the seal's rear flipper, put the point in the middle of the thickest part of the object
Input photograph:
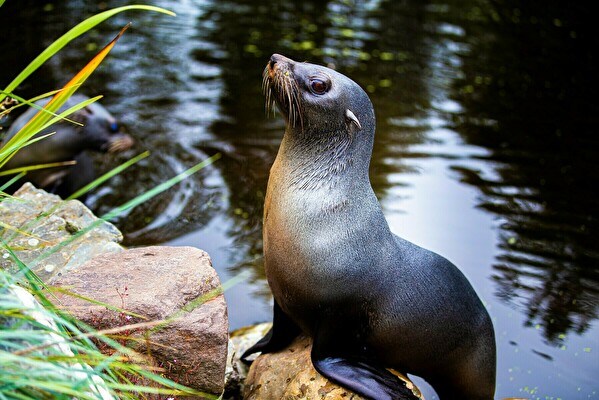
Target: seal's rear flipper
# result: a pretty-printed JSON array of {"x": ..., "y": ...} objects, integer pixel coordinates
[
  {"x": 282, "y": 333},
  {"x": 365, "y": 379}
]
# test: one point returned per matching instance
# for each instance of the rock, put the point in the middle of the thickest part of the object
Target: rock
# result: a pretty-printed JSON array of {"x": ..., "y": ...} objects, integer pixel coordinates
[
  {"x": 67, "y": 246},
  {"x": 239, "y": 341},
  {"x": 53, "y": 235},
  {"x": 177, "y": 284},
  {"x": 289, "y": 374}
]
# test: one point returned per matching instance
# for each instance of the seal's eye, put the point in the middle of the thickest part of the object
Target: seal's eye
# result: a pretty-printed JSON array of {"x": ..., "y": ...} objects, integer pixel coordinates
[
  {"x": 114, "y": 127},
  {"x": 318, "y": 86}
]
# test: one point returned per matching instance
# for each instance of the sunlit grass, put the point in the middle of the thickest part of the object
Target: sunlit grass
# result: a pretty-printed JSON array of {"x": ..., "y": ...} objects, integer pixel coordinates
[{"x": 46, "y": 353}]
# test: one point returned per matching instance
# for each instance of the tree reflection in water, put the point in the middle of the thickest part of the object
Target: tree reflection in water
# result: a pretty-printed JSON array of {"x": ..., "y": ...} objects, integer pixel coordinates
[{"x": 527, "y": 97}]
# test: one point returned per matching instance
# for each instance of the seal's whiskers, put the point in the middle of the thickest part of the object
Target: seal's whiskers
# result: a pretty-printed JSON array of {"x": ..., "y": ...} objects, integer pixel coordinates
[
  {"x": 266, "y": 89},
  {"x": 286, "y": 90}
]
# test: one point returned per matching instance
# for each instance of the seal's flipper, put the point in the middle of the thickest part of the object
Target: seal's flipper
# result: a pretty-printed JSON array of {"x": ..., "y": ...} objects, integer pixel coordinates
[
  {"x": 362, "y": 377},
  {"x": 282, "y": 333}
]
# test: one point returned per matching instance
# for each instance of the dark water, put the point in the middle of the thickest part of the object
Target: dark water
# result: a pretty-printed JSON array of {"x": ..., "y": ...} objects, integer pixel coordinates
[{"x": 486, "y": 148}]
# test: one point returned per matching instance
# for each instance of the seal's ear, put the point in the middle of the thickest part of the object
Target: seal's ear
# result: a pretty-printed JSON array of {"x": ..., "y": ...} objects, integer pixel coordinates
[{"x": 352, "y": 121}]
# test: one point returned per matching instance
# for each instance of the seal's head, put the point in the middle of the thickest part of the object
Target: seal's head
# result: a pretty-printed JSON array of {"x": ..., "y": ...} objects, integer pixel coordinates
[
  {"x": 314, "y": 98},
  {"x": 100, "y": 129}
]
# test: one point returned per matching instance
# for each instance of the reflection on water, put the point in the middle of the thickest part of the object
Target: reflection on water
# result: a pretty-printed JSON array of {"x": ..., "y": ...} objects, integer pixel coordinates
[
  {"x": 485, "y": 149},
  {"x": 531, "y": 104}
]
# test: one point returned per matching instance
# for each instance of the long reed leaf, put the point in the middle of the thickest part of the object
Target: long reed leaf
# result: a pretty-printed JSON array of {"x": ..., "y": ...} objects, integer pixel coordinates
[
  {"x": 11, "y": 181},
  {"x": 69, "y": 111},
  {"x": 115, "y": 171},
  {"x": 160, "y": 188},
  {"x": 8, "y": 227},
  {"x": 27, "y": 102},
  {"x": 36, "y": 167},
  {"x": 6, "y": 151},
  {"x": 96, "y": 302},
  {"x": 31, "y": 103}
]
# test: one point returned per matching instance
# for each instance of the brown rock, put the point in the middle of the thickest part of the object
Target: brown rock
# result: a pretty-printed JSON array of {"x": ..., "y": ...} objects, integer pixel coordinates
[
  {"x": 176, "y": 284},
  {"x": 289, "y": 374}
]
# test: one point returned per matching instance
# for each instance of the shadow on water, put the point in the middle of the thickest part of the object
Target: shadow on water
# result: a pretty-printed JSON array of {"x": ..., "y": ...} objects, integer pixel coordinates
[{"x": 485, "y": 152}]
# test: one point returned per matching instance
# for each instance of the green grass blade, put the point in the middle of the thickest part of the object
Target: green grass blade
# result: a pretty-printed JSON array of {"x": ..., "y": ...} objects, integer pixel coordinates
[
  {"x": 34, "y": 281},
  {"x": 36, "y": 167},
  {"x": 11, "y": 181},
  {"x": 75, "y": 32},
  {"x": 31, "y": 103},
  {"x": 7, "y": 151},
  {"x": 160, "y": 188},
  {"x": 108, "y": 175},
  {"x": 70, "y": 111},
  {"x": 96, "y": 302},
  {"x": 200, "y": 300},
  {"x": 17, "y": 230},
  {"x": 154, "y": 390},
  {"x": 128, "y": 205}
]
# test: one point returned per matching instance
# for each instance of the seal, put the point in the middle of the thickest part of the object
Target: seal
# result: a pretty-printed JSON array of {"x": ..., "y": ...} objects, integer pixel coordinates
[
  {"x": 369, "y": 299},
  {"x": 99, "y": 132}
]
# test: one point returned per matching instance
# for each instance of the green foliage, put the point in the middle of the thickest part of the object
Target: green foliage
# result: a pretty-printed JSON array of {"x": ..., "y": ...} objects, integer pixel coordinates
[{"x": 44, "y": 352}]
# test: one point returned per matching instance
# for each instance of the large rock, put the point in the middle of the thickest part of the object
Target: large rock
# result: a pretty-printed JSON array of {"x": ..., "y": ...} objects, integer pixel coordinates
[
  {"x": 173, "y": 284},
  {"x": 289, "y": 374},
  {"x": 50, "y": 235},
  {"x": 68, "y": 247}
]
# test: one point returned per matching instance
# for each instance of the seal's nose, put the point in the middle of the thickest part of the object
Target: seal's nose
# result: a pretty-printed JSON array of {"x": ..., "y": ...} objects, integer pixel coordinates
[
  {"x": 272, "y": 62},
  {"x": 278, "y": 59},
  {"x": 277, "y": 63}
]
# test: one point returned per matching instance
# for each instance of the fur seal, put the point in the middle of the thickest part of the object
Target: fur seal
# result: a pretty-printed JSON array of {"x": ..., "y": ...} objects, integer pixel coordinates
[
  {"x": 369, "y": 299},
  {"x": 100, "y": 132}
]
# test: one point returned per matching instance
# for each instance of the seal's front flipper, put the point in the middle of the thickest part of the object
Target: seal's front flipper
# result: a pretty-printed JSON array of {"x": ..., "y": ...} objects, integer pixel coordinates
[
  {"x": 363, "y": 378},
  {"x": 282, "y": 333}
]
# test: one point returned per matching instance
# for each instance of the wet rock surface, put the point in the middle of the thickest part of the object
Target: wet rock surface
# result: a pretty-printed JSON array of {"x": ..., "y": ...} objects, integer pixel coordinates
[{"x": 175, "y": 292}]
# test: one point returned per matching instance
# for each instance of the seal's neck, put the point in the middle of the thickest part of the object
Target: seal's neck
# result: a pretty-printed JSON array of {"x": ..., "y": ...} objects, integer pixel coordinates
[{"x": 315, "y": 160}]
